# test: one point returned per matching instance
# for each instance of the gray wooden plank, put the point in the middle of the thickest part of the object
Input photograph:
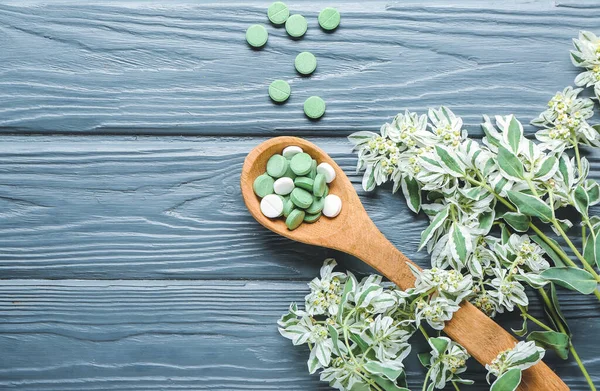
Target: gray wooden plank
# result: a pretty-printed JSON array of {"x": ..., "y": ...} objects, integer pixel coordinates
[
  {"x": 184, "y": 68},
  {"x": 147, "y": 207},
  {"x": 184, "y": 335}
]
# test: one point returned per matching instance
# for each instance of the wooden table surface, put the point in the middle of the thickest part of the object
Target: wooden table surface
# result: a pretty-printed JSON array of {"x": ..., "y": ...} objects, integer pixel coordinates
[{"x": 127, "y": 258}]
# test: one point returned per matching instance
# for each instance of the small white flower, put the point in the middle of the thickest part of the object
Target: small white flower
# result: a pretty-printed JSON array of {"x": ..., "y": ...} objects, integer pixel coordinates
[
  {"x": 324, "y": 296},
  {"x": 527, "y": 254},
  {"x": 448, "y": 363},
  {"x": 522, "y": 356},
  {"x": 450, "y": 284},
  {"x": 436, "y": 312},
  {"x": 387, "y": 338},
  {"x": 508, "y": 291}
]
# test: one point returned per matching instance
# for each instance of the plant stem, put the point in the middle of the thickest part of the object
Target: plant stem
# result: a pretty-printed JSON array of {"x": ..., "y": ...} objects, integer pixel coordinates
[
  {"x": 586, "y": 265},
  {"x": 426, "y": 379},
  {"x": 562, "y": 329},
  {"x": 424, "y": 332},
  {"x": 537, "y": 321},
  {"x": 578, "y": 158},
  {"x": 455, "y": 386}
]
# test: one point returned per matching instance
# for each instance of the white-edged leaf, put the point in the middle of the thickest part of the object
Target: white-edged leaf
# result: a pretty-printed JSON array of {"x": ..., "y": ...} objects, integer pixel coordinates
[
  {"x": 450, "y": 162},
  {"x": 571, "y": 278},
  {"x": 530, "y": 205},
  {"x": 519, "y": 222},
  {"x": 412, "y": 193},
  {"x": 510, "y": 165},
  {"x": 514, "y": 134},
  {"x": 508, "y": 381},
  {"x": 437, "y": 222}
]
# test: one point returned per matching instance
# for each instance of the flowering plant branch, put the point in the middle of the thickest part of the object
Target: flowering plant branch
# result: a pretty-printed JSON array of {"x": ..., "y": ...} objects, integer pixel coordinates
[{"x": 490, "y": 205}]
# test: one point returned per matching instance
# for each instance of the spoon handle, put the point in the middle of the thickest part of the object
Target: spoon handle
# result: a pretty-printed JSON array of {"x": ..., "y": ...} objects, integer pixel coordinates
[{"x": 481, "y": 336}]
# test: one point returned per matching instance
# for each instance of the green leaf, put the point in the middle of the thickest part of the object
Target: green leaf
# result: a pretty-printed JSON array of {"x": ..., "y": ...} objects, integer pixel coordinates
[
  {"x": 412, "y": 193},
  {"x": 593, "y": 191},
  {"x": 581, "y": 201},
  {"x": 437, "y": 222},
  {"x": 448, "y": 160},
  {"x": 376, "y": 368},
  {"x": 556, "y": 341},
  {"x": 551, "y": 253},
  {"x": 510, "y": 164},
  {"x": 486, "y": 221},
  {"x": 547, "y": 167},
  {"x": 514, "y": 134},
  {"x": 505, "y": 234},
  {"x": 556, "y": 305},
  {"x": 387, "y": 385},
  {"x": 349, "y": 286},
  {"x": 360, "y": 386},
  {"x": 440, "y": 344},
  {"x": 564, "y": 167},
  {"x": 530, "y": 205},
  {"x": 508, "y": 381},
  {"x": 571, "y": 278},
  {"x": 425, "y": 359},
  {"x": 461, "y": 246},
  {"x": 500, "y": 185},
  {"x": 360, "y": 342},
  {"x": 591, "y": 250},
  {"x": 335, "y": 337},
  {"x": 519, "y": 222}
]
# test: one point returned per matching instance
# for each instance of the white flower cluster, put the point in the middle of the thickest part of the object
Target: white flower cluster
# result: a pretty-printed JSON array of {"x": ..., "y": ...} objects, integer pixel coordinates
[
  {"x": 364, "y": 340},
  {"x": 565, "y": 123},
  {"x": 522, "y": 356},
  {"x": 587, "y": 55},
  {"x": 447, "y": 360}
]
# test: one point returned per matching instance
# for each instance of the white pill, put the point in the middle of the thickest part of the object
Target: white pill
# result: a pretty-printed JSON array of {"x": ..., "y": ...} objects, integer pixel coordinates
[
  {"x": 332, "y": 206},
  {"x": 283, "y": 186},
  {"x": 271, "y": 206},
  {"x": 327, "y": 170},
  {"x": 289, "y": 152}
]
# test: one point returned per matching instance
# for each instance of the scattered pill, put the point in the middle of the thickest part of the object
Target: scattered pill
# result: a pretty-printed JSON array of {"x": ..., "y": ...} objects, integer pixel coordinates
[
  {"x": 279, "y": 91},
  {"x": 296, "y": 26},
  {"x": 314, "y": 107},
  {"x": 295, "y": 218},
  {"x": 329, "y": 18},
  {"x": 278, "y": 12},
  {"x": 319, "y": 185},
  {"x": 332, "y": 206},
  {"x": 308, "y": 218},
  {"x": 301, "y": 163},
  {"x": 288, "y": 207},
  {"x": 277, "y": 166},
  {"x": 301, "y": 198},
  {"x": 316, "y": 206},
  {"x": 291, "y": 151},
  {"x": 304, "y": 182},
  {"x": 283, "y": 186},
  {"x": 263, "y": 185},
  {"x": 327, "y": 170},
  {"x": 271, "y": 206},
  {"x": 257, "y": 35},
  {"x": 305, "y": 63}
]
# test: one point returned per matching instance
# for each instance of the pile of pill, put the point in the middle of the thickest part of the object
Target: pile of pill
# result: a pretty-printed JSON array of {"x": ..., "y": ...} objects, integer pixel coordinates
[
  {"x": 295, "y": 186},
  {"x": 305, "y": 62}
]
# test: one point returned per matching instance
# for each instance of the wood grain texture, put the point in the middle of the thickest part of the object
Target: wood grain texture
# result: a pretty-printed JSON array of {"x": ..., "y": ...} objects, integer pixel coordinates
[
  {"x": 178, "y": 335},
  {"x": 137, "y": 67}
]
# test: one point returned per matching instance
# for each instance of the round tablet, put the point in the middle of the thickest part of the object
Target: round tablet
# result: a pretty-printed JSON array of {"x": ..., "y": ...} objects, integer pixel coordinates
[
  {"x": 314, "y": 107},
  {"x": 327, "y": 170},
  {"x": 305, "y": 63},
  {"x": 301, "y": 198},
  {"x": 271, "y": 206},
  {"x": 301, "y": 163},
  {"x": 257, "y": 35},
  {"x": 279, "y": 90},
  {"x": 319, "y": 185},
  {"x": 294, "y": 219},
  {"x": 316, "y": 206},
  {"x": 283, "y": 186},
  {"x": 304, "y": 182},
  {"x": 329, "y": 18},
  {"x": 278, "y": 12},
  {"x": 311, "y": 218},
  {"x": 332, "y": 206},
  {"x": 291, "y": 151},
  {"x": 296, "y": 26},
  {"x": 263, "y": 185},
  {"x": 313, "y": 170},
  {"x": 288, "y": 207},
  {"x": 277, "y": 165}
]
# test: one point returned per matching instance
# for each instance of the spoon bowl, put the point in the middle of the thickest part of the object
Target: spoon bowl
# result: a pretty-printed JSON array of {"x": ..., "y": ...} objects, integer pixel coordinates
[{"x": 353, "y": 232}]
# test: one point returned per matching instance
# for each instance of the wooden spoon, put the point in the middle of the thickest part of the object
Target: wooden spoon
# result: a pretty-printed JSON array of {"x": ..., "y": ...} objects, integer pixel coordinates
[{"x": 353, "y": 232}]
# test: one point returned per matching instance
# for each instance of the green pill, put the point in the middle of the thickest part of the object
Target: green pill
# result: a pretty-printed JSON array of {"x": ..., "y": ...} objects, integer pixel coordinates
[
  {"x": 277, "y": 166},
  {"x": 316, "y": 206},
  {"x": 294, "y": 219},
  {"x": 289, "y": 173},
  {"x": 326, "y": 192},
  {"x": 301, "y": 198},
  {"x": 301, "y": 163},
  {"x": 263, "y": 185},
  {"x": 305, "y": 63},
  {"x": 278, "y": 12},
  {"x": 311, "y": 218},
  {"x": 313, "y": 170},
  {"x": 319, "y": 185},
  {"x": 288, "y": 207},
  {"x": 304, "y": 182},
  {"x": 296, "y": 26},
  {"x": 314, "y": 107},
  {"x": 257, "y": 35},
  {"x": 279, "y": 91},
  {"x": 329, "y": 18}
]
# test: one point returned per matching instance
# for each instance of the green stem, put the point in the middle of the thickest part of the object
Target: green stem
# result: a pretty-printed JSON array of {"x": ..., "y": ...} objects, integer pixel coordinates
[
  {"x": 586, "y": 265},
  {"x": 537, "y": 322},
  {"x": 455, "y": 386},
  {"x": 426, "y": 379},
  {"x": 424, "y": 332},
  {"x": 562, "y": 329}
]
